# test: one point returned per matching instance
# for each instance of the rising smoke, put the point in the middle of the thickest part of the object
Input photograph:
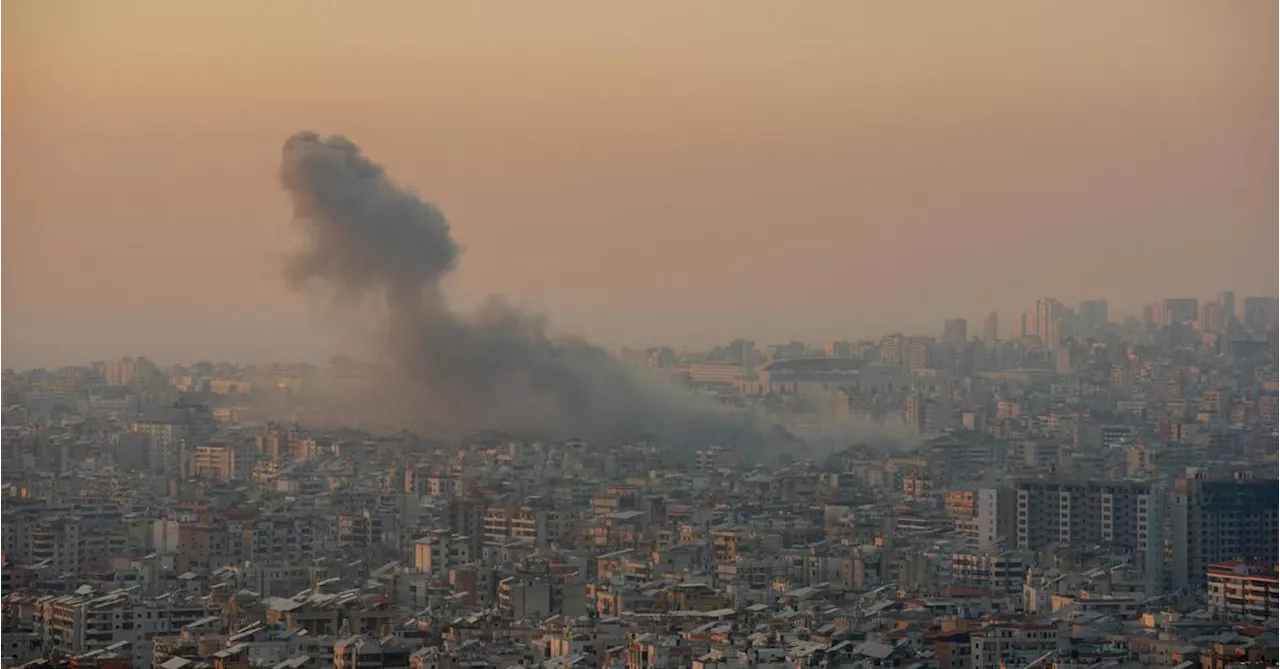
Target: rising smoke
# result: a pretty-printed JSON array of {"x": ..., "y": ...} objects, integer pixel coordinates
[{"x": 495, "y": 370}]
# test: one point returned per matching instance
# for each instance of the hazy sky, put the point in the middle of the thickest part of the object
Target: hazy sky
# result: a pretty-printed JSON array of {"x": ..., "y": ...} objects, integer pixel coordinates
[{"x": 642, "y": 172}]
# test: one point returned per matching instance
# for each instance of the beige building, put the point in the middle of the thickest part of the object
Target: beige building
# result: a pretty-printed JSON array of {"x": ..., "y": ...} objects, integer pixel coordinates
[
  {"x": 1238, "y": 588},
  {"x": 216, "y": 461},
  {"x": 441, "y": 551}
]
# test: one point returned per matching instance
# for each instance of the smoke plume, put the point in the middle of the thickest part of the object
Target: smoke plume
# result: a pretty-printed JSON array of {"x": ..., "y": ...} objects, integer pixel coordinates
[{"x": 494, "y": 370}]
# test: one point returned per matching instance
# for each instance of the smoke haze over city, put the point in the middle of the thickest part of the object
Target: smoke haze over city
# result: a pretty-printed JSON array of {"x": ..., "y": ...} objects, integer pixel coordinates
[
  {"x": 602, "y": 335},
  {"x": 497, "y": 369},
  {"x": 655, "y": 175}
]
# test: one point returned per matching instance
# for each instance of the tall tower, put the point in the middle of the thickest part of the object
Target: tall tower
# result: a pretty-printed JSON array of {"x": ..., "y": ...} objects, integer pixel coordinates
[
  {"x": 1227, "y": 305},
  {"x": 1093, "y": 314},
  {"x": 1043, "y": 317},
  {"x": 1179, "y": 310},
  {"x": 1024, "y": 325},
  {"x": 915, "y": 411},
  {"x": 990, "y": 330},
  {"x": 955, "y": 331}
]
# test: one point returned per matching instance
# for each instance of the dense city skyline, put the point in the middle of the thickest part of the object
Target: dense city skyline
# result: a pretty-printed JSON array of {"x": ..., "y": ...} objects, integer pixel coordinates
[
  {"x": 975, "y": 329},
  {"x": 733, "y": 334}
]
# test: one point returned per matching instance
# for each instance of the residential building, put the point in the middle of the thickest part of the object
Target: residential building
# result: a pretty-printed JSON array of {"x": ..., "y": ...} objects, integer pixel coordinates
[{"x": 1240, "y": 588}]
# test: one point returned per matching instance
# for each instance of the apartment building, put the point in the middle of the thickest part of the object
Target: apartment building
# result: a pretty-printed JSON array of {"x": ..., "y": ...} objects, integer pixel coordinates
[
  {"x": 87, "y": 621},
  {"x": 1218, "y": 520},
  {"x": 360, "y": 652},
  {"x": 272, "y": 540},
  {"x": 1123, "y": 515},
  {"x": 1239, "y": 588},
  {"x": 1012, "y": 643},
  {"x": 525, "y": 522},
  {"x": 994, "y": 518},
  {"x": 1077, "y": 512},
  {"x": 165, "y": 430},
  {"x": 219, "y": 462},
  {"x": 440, "y": 551},
  {"x": 1003, "y": 572}
]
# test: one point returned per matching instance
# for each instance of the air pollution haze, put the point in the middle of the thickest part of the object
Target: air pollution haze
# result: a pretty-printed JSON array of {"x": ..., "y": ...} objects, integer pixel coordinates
[{"x": 497, "y": 370}]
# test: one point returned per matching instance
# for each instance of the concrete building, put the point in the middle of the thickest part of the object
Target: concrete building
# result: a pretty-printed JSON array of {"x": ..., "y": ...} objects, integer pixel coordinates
[
  {"x": 166, "y": 429},
  {"x": 1125, "y": 515},
  {"x": 1259, "y": 313},
  {"x": 955, "y": 331},
  {"x": 915, "y": 412},
  {"x": 995, "y": 513},
  {"x": 120, "y": 372},
  {"x": 892, "y": 349},
  {"x": 1174, "y": 311},
  {"x": 1024, "y": 325},
  {"x": 1219, "y": 520},
  {"x": 1212, "y": 318},
  {"x": 991, "y": 330},
  {"x": 919, "y": 354},
  {"x": 80, "y": 623},
  {"x": 525, "y": 599},
  {"x": 361, "y": 652},
  {"x": 217, "y": 462},
  {"x": 1227, "y": 303},
  {"x": 1012, "y": 643},
  {"x": 69, "y": 544},
  {"x": 1093, "y": 314},
  {"x": 1239, "y": 588},
  {"x": 440, "y": 551},
  {"x": 997, "y": 572},
  {"x": 1050, "y": 322}
]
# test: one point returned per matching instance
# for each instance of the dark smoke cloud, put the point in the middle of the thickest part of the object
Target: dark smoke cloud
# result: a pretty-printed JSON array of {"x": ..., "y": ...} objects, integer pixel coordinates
[{"x": 495, "y": 370}]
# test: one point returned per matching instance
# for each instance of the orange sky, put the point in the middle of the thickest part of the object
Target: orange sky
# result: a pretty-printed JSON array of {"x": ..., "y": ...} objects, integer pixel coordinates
[{"x": 643, "y": 174}]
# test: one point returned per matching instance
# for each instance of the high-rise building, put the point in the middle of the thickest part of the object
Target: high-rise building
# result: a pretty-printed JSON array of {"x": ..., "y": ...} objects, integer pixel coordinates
[
  {"x": 1023, "y": 325},
  {"x": 919, "y": 354},
  {"x": 1052, "y": 334},
  {"x": 1078, "y": 513},
  {"x": 1051, "y": 322},
  {"x": 1176, "y": 311},
  {"x": 1227, "y": 302},
  {"x": 892, "y": 349},
  {"x": 1216, "y": 520},
  {"x": 165, "y": 431},
  {"x": 995, "y": 515},
  {"x": 1212, "y": 318},
  {"x": 120, "y": 372},
  {"x": 218, "y": 462},
  {"x": 1148, "y": 316},
  {"x": 1259, "y": 313},
  {"x": 990, "y": 330},
  {"x": 1093, "y": 314},
  {"x": 269, "y": 444},
  {"x": 955, "y": 331},
  {"x": 1045, "y": 313},
  {"x": 915, "y": 411}
]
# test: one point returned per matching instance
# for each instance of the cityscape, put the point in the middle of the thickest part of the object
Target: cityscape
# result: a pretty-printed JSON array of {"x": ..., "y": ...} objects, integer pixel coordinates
[
  {"x": 1084, "y": 489},
  {"x": 564, "y": 335}
]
